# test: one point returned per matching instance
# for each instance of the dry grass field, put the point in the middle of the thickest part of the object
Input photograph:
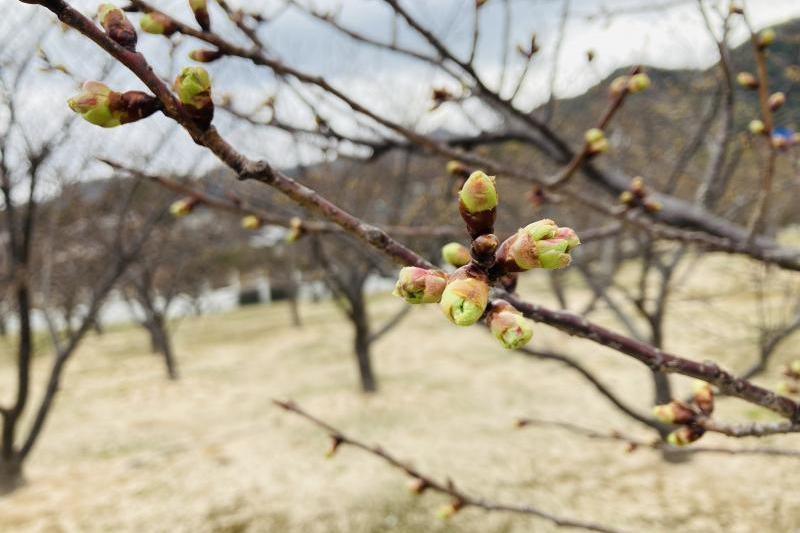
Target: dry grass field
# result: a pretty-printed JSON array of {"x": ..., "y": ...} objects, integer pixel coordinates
[{"x": 127, "y": 451}]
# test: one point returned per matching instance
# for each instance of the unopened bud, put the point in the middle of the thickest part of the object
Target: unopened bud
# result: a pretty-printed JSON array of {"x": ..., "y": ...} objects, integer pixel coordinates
[
  {"x": 794, "y": 366},
  {"x": 685, "y": 435},
  {"x": 703, "y": 397},
  {"x": 101, "y": 106},
  {"x": 652, "y": 206},
  {"x": 336, "y": 441},
  {"x": 182, "y": 207},
  {"x": 455, "y": 254},
  {"x": 747, "y": 80},
  {"x": 508, "y": 325},
  {"x": 626, "y": 197},
  {"x": 200, "y": 10},
  {"x": 593, "y": 135},
  {"x": 251, "y": 222},
  {"x": 465, "y": 297},
  {"x": 766, "y": 37},
  {"x": 776, "y": 101},
  {"x": 541, "y": 244},
  {"x": 457, "y": 168},
  {"x": 478, "y": 203},
  {"x": 203, "y": 55},
  {"x": 117, "y": 25},
  {"x": 596, "y": 141},
  {"x": 619, "y": 85},
  {"x": 449, "y": 510},
  {"x": 638, "y": 82},
  {"x": 157, "y": 23},
  {"x": 419, "y": 285},
  {"x": 193, "y": 87},
  {"x": 674, "y": 412},
  {"x": 417, "y": 486},
  {"x": 756, "y": 127}
]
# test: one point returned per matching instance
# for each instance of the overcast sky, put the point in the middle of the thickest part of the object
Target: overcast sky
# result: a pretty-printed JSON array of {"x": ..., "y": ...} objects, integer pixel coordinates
[{"x": 663, "y": 33}]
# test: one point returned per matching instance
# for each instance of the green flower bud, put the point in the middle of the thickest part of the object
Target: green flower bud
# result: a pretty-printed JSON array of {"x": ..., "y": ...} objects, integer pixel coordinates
[
  {"x": 757, "y": 127},
  {"x": 457, "y": 168},
  {"x": 182, "y": 207},
  {"x": 200, "y": 10},
  {"x": 684, "y": 435},
  {"x": 419, "y": 285},
  {"x": 193, "y": 87},
  {"x": 295, "y": 230},
  {"x": 508, "y": 325},
  {"x": 479, "y": 193},
  {"x": 619, "y": 85},
  {"x": 251, "y": 222},
  {"x": 639, "y": 82},
  {"x": 456, "y": 254},
  {"x": 92, "y": 103},
  {"x": 747, "y": 80},
  {"x": 541, "y": 244},
  {"x": 766, "y": 37},
  {"x": 593, "y": 135},
  {"x": 117, "y": 25},
  {"x": 794, "y": 366},
  {"x": 465, "y": 297},
  {"x": 703, "y": 396},
  {"x": 674, "y": 412},
  {"x": 157, "y": 23}
]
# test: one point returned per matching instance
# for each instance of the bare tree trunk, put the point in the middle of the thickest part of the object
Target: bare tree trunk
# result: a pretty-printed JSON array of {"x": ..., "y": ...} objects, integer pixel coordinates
[
  {"x": 294, "y": 306},
  {"x": 362, "y": 344},
  {"x": 3, "y": 326},
  {"x": 159, "y": 338},
  {"x": 10, "y": 475}
]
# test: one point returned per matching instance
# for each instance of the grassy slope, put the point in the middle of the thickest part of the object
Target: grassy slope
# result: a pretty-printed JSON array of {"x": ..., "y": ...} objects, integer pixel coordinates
[{"x": 127, "y": 451}]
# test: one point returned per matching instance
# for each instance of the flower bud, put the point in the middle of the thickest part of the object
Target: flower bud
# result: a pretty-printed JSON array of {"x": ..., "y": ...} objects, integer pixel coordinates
[
  {"x": 117, "y": 25},
  {"x": 182, "y": 207},
  {"x": 419, "y": 285},
  {"x": 596, "y": 141},
  {"x": 417, "y": 486},
  {"x": 449, "y": 510},
  {"x": 787, "y": 389},
  {"x": 619, "y": 85},
  {"x": 202, "y": 55},
  {"x": 541, "y": 244},
  {"x": 295, "y": 230},
  {"x": 200, "y": 9},
  {"x": 674, "y": 412},
  {"x": 157, "y": 23},
  {"x": 508, "y": 325},
  {"x": 703, "y": 397},
  {"x": 626, "y": 198},
  {"x": 776, "y": 101},
  {"x": 685, "y": 435},
  {"x": 747, "y": 80},
  {"x": 465, "y": 297},
  {"x": 336, "y": 441},
  {"x": 756, "y": 127},
  {"x": 638, "y": 82},
  {"x": 455, "y": 254},
  {"x": 251, "y": 222},
  {"x": 193, "y": 87},
  {"x": 101, "y": 106},
  {"x": 593, "y": 135},
  {"x": 766, "y": 37},
  {"x": 794, "y": 366},
  {"x": 478, "y": 203},
  {"x": 457, "y": 168}
]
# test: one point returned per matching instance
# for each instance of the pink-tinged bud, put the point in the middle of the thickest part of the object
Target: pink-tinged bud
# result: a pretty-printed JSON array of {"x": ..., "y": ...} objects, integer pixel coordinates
[
  {"x": 685, "y": 435},
  {"x": 465, "y": 297},
  {"x": 747, "y": 80},
  {"x": 251, "y": 222},
  {"x": 101, "y": 106},
  {"x": 674, "y": 412},
  {"x": 204, "y": 56},
  {"x": 157, "y": 23},
  {"x": 703, "y": 397},
  {"x": 182, "y": 207},
  {"x": 117, "y": 25},
  {"x": 776, "y": 101},
  {"x": 478, "y": 203},
  {"x": 508, "y": 325},
  {"x": 193, "y": 87},
  {"x": 639, "y": 82},
  {"x": 757, "y": 127},
  {"x": 419, "y": 285},
  {"x": 455, "y": 254},
  {"x": 417, "y": 486},
  {"x": 541, "y": 244},
  {"x": 200, "y": 10},
  {"x": 766, "y": 37}
]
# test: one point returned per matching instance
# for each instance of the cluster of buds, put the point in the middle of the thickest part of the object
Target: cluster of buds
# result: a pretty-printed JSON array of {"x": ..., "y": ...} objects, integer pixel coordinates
[
  {"x": 596, "y": 142},
  {"x": 101, "y": 106},
  {"x": 183, "y": 207},
  {"x": 455, "y": 254},
  {"x": 637, "y": 197},
  {"x": 792, "y": 373},
  {"x": 463, "y": 295},
  {"x": 117, "y": 26},
  {"x": 193, "y": 88},
  {"x": 157, "y": 23},
  {"x": 686, "y": 415},
  {"x": 200, "y": 10},
  {"x": 635, "y": 83}
]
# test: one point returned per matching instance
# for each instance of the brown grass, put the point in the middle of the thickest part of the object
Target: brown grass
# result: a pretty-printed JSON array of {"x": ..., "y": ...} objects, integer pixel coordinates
[{"x": 125, "y": 450}]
